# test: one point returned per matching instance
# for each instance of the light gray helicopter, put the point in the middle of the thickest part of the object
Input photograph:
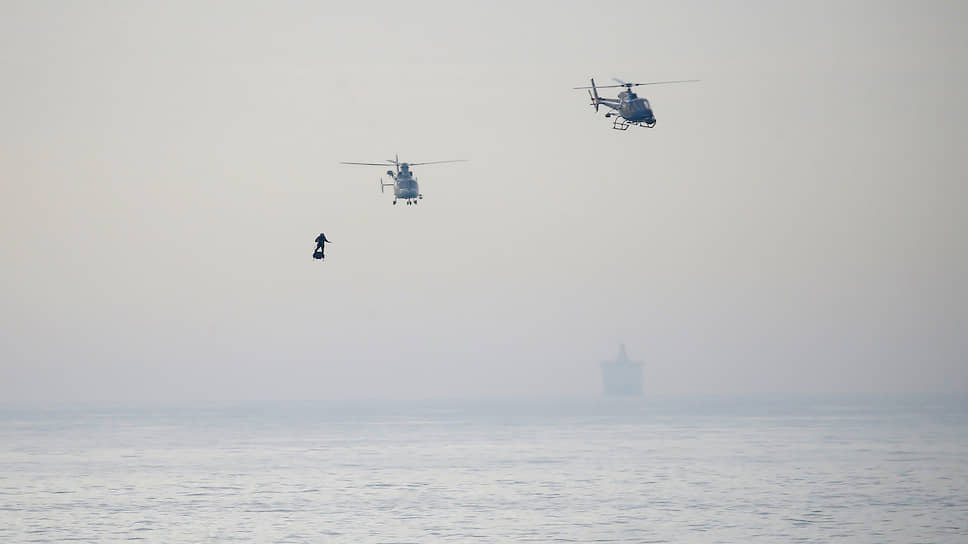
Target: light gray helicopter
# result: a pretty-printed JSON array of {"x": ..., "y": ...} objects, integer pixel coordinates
[
  {"x": 629, "y": 108},
  {"x": 404, "y": 184}
]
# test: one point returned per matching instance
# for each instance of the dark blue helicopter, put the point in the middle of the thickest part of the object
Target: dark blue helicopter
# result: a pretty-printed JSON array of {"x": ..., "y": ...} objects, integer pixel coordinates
[{"x": 629, "y": 108}]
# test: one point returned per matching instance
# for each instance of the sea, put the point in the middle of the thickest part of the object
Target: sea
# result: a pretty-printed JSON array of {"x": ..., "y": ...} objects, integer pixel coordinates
[{"x": 869, "y": 469}]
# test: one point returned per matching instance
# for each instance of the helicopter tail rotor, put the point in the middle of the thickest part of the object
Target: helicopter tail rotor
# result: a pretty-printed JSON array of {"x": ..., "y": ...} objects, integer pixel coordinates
[{"x": 593, "y": 93}]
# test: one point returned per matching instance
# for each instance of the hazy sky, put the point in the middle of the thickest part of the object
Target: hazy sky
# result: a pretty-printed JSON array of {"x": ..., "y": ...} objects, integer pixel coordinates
[{"x": 794, "y": 222}]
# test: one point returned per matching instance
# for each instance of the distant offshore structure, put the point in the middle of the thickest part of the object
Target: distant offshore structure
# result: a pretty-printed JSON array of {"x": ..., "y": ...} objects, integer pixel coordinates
[{"x": 622, "y": 377}]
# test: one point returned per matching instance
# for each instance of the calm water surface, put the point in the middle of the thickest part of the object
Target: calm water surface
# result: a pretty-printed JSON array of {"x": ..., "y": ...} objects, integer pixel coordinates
[{"x": 593, "y": 470}]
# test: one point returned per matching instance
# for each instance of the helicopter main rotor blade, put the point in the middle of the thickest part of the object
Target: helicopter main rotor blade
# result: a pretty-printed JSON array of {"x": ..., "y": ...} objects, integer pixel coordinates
[
  {"x": 614, "y": 86},
  {"x": 667, "y": 82},
  {"x": 655, "y": 83},
  {"x": 637, "y": 84},
  {"x": 366, "y": 163},
  {"x": 435, "y": 162}
]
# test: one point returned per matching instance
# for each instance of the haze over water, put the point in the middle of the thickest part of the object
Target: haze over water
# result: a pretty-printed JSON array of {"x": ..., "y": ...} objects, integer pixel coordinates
[{"x": 890, "y": 470}]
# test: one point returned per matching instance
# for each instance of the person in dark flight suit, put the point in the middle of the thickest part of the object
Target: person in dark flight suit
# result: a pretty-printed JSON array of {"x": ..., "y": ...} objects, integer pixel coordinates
[{"x": 319, "y": 253}]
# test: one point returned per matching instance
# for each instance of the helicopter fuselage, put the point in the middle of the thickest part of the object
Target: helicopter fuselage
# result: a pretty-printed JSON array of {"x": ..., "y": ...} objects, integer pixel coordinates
[
  {"x": 631, "y": 108},
  {"x": 635, "y": 109},
  {"x": 405, "y": 187}
]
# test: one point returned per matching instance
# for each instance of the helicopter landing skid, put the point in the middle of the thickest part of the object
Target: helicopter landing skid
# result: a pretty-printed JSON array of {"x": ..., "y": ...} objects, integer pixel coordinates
[{"x": 620, "y": 123}]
